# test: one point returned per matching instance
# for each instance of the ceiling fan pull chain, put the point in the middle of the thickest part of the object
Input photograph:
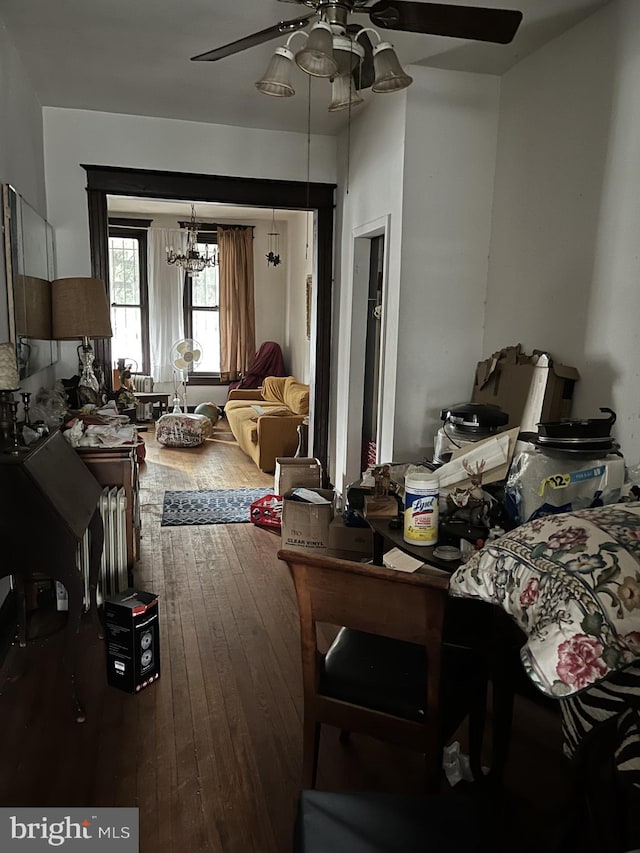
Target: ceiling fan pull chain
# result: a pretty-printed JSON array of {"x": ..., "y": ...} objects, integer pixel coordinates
[
  {"x": 306, "y": 248},
  {"x": 349, "y": 133}
]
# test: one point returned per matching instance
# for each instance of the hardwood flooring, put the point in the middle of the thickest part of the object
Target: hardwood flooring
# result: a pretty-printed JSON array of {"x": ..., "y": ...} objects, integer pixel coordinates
[{"x": 211, "y": 753}]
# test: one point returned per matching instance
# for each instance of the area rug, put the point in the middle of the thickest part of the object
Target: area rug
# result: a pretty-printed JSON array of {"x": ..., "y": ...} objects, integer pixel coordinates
[{"x": 209, "y": 506}]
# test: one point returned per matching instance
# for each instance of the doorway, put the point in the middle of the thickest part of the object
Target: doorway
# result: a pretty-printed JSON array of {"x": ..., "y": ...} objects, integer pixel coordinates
[
  {"x": 372, "y": 355},
  {"x": 293, "y": 195}
]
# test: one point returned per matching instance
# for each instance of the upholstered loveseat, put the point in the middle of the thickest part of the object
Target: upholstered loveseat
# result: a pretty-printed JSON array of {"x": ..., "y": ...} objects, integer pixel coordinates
[{"x": 265, "y": 421}]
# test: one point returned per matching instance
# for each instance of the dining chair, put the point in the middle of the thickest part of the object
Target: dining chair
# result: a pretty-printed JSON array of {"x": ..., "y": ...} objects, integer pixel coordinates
[{"x": 388, "y": 672}]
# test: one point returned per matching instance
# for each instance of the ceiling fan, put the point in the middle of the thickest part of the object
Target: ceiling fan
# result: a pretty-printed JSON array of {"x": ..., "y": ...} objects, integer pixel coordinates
[{"x": 467, "y": 22}]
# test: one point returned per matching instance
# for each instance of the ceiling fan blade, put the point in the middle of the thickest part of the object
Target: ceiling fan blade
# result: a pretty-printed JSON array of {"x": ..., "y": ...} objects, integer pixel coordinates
[
  {"x": 281, "y": 28},
  {"x": 363, "y": 74},
  {"x": 438, "y": 19}
]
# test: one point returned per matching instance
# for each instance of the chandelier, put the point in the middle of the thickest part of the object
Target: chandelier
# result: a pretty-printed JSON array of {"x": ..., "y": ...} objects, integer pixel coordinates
[
  {"x": 333, "y": 52},
  {"x": 191, "y": 260}
]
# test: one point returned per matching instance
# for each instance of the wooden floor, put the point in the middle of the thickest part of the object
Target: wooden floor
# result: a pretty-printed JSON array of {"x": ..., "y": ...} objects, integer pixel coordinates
[{"x": 211, "y": 753}]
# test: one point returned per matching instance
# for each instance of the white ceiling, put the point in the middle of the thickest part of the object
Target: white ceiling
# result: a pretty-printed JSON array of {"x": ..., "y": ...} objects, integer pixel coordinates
[
  {"x": 132, "y": 56},
  {"x": 148, "y": 208}
]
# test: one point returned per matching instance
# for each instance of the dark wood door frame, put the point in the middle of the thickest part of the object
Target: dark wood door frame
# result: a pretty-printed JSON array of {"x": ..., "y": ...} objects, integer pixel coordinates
[{"x": 254, "y": 192}]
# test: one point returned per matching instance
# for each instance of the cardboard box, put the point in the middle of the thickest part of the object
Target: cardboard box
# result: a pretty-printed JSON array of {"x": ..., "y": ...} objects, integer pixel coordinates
[
  {"x": 305, "y": 526},
  {"x": 529, "y": 388},
  {"x": 355, "y": 542},
  {"x": 296, "y": 471},
  {"x": 132, "y": 640}
]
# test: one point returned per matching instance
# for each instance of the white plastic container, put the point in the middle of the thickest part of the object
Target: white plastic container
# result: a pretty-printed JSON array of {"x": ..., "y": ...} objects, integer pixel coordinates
[{"x": 421, "y": 489}]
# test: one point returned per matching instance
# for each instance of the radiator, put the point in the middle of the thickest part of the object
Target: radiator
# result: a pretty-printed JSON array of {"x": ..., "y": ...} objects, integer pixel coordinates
[
  {"x": 113, "y": 566},
  {"x": 143, "y": 383}
]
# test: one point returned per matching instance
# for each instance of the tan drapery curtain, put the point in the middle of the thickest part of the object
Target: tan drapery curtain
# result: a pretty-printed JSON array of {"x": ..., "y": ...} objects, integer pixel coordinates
[{"x": 237, "y": 312}]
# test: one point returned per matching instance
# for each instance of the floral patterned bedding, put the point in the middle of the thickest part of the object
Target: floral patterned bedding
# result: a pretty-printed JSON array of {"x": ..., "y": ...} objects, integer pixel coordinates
[{"x": 572, "y": 583}]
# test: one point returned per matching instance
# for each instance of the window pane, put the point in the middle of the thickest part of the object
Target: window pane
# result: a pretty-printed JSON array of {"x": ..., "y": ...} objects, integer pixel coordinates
[
  {"x": 205, "y": 285},
  {"x": 206, "y": 330},
  {"x": 127, "y": 335},
  {"x": 124, "y": 270}
]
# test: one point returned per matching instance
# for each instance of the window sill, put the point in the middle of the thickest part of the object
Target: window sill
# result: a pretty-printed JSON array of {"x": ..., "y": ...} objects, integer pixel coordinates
[{"x": 203, "y": 379}]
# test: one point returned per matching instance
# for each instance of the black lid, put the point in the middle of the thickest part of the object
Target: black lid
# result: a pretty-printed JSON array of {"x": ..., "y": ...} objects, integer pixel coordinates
[{"x": 475, "y": 415}]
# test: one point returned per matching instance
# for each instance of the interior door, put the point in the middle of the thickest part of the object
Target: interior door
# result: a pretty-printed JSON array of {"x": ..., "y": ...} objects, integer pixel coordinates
[{"x": 372, "y": 354}]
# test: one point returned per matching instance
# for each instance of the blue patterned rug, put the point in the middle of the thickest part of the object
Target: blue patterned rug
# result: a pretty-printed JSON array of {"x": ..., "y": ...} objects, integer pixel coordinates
[{"x": 215, "y": 506}]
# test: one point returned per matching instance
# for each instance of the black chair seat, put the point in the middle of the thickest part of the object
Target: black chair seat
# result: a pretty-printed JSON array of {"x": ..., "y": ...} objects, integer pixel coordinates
[
  {"x": 387, "y": 823},
  {"x": 390, "y": 676}
]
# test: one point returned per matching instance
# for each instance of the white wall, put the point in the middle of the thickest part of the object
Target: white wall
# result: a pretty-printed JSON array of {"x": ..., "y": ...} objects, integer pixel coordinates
[
  {"x": 21, "y": 165},
  {"x": 72, "y": 137},
  {"x": 450, "y": 152},
  {"x": 423, "y": 161},
  {"x": 565, "y": 268},
  {"x": 371, "y": 192}
]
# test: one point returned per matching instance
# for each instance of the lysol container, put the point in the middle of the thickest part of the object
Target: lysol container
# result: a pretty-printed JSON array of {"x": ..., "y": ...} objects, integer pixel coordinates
[{"x": 421, "y": 489}]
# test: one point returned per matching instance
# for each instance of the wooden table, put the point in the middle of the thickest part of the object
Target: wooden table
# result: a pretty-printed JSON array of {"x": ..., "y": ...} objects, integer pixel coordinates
[
  {"x": 468, "y": 622},
  {"x": 154, "y": 397}
]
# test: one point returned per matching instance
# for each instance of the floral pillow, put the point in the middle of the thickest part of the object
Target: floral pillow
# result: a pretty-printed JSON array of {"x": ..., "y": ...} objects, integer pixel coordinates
[{"x": 572, "y": 583}]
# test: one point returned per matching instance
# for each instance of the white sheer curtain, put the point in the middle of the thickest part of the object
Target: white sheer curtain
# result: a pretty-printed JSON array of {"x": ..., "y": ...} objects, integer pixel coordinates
[{"x": 166, "y": 283}]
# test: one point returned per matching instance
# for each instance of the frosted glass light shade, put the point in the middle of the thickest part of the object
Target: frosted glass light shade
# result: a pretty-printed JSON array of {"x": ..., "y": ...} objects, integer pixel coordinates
[
  {"x": 390, "y": 76},
  {"x": 316, "y": 57},
  {"x": 275, "y": 80},
  {"x": 347, "y": 53},
  {"x": 343, "y": 94}
]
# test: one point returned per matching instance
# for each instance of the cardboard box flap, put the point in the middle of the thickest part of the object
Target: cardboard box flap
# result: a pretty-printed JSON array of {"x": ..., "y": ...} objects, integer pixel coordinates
[{"x": 529, "y": 388}]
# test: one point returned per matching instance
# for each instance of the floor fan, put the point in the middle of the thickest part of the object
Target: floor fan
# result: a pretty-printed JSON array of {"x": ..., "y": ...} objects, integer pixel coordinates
[{"x": 186, "y": 355}]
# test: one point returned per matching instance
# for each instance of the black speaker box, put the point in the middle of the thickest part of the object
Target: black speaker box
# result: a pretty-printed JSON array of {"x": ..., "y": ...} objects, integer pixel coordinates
[{"x": 132, "y": 640}]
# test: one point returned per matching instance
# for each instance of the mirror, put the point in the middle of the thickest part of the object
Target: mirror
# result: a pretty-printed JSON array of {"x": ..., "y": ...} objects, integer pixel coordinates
[{"x": 30, "y": 264}]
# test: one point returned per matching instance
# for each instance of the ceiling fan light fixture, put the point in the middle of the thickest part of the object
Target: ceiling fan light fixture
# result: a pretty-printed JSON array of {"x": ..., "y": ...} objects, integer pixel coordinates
[
  {"x": 275, "y": 81},
  {"x": 343, "y": 94},
  {"x": 347, "y": 54},
  {"x": 316, "y": 57},
  {"x": 390, "y": 76}
]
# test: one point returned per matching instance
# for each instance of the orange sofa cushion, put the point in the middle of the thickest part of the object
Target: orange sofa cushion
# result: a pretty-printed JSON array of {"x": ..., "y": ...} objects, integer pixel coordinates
[{"x": 296, "y": 396}]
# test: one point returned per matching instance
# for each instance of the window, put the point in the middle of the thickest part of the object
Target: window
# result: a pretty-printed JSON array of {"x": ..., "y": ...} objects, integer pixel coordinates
[
  {"x": 128, "y": 295},
  {"x": 201, "y": 310}
]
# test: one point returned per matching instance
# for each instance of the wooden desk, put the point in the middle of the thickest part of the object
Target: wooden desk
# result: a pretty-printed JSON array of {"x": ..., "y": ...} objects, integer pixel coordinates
[
  {"x": 154, "y": 397},
  {"x": 468, "y": 622},
  {"x": 395, "y": 537},
  {"x": 48, "y": 500}
]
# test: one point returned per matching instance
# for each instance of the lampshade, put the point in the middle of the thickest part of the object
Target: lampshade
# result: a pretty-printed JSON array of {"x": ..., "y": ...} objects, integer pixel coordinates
[
  {"x": 275, "y": 81},
  {"x": 344, "y": 94},
  {"x": 347, "y": 53},
  {"x": 390, "y": 76},
  {"x": 32, "y": 307},
  {"x": 316, "y": 57},
  {"x": 79, "y": 309}
]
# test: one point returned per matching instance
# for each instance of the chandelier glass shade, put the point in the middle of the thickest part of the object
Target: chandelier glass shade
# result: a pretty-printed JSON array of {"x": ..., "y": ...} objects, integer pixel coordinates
[
  {"x": 191, "y": 259},
  {"x": 331, "y": 52}
]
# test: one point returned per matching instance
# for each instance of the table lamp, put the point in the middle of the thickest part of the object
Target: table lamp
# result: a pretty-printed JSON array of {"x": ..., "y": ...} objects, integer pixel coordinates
[{"x": 80, "y": 310}]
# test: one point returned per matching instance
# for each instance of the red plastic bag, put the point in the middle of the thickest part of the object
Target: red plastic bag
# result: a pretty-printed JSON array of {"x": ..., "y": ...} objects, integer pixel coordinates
[{"x": 267, "y": 512}]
